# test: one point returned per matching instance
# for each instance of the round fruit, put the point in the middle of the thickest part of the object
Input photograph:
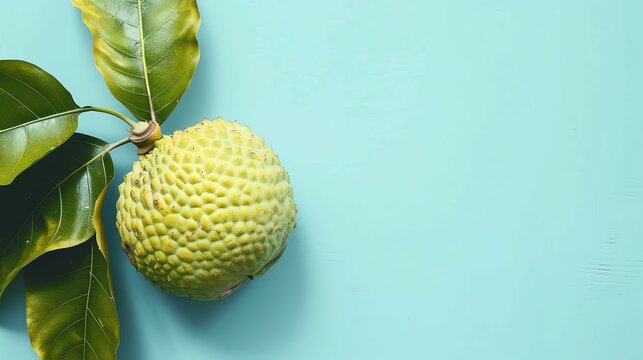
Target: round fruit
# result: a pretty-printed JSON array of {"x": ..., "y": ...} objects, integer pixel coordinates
[{"x": 205, "y": 210}]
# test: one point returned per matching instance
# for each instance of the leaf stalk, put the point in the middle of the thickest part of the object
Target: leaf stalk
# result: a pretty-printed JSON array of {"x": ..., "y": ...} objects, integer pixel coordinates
[
  {"x": 115, "y": 113},
  {"x": 80, "y": 110}
]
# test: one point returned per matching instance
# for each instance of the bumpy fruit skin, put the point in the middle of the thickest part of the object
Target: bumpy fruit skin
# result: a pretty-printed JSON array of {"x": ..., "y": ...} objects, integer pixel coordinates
[{"x": 205, "y": 210}]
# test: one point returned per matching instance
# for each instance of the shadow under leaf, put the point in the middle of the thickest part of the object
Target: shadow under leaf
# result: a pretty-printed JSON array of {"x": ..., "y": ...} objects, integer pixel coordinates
[{"x": 12, "y": 306}]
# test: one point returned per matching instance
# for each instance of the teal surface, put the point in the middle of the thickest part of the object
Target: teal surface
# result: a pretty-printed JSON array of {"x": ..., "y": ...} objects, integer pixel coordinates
[{"x": 469, "y": 176}]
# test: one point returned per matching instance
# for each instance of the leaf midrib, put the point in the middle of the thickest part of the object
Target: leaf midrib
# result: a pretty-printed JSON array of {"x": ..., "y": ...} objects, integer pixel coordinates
[
  {"x": 89, "y": 291},
  {"x": 44, "y": 118},
  {"x": 144, "y": 60}
]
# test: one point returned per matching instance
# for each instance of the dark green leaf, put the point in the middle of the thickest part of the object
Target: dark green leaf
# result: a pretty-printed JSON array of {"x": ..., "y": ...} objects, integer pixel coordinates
[
  {"x": 71, "y": 312},
  {"x": 146, "y": 50},
  {"x": 37, "y": 114},
  {"x": 50, "y": 206}
]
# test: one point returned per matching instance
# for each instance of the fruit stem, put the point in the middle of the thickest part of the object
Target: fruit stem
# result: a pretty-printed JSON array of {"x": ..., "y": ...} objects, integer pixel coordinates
[
  {"x": 144, "y": 135},
  {"x": 119, "y": 115}
]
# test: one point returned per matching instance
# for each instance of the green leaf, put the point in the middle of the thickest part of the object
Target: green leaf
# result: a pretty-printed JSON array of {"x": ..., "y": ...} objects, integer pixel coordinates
[
  {"x": 37, "y": 114},
  {"x": 70, "y": 300},
  {"x": 51, "y": 205},
  {"x": 146, "y": 50},
  {"x": 71, "y": 312}
]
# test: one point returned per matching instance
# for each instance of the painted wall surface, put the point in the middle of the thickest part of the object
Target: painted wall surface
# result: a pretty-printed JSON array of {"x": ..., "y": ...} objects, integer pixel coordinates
[{"x": 469, "y": 176}]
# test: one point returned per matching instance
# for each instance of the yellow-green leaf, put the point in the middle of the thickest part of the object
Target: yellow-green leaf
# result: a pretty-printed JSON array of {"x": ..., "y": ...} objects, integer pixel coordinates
[
  {"x": 146, "y": 50},
  {"x": 37, "y": 114}
]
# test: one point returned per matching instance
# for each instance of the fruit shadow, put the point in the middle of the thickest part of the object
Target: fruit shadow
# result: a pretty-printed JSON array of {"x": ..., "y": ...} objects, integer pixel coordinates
[
  {"x": 130, "y": 330},
  {"x": 13, "y": 307},
  {"x": 265, "y": 312}
]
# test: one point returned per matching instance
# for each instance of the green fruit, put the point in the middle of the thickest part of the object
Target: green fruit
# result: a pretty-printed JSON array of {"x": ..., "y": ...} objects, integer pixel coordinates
[{"x": 205, "y": 210}]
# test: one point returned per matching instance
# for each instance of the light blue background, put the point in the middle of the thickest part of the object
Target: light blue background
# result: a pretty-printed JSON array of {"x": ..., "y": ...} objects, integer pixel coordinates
[{"x": 469, "y": 176}]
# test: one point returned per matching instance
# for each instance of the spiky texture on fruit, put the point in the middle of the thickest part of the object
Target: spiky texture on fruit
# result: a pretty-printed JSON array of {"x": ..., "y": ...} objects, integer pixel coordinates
[{"x": 205, "y": 210}]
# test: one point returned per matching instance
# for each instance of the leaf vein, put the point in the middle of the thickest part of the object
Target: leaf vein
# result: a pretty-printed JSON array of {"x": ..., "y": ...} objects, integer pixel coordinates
[
  {"x": 170, "y": 86},
  {"x": 101, "y": 328},
  {"x": 22, "y": 152},
  {"x": 48, "y": 78},
  {"x": 53, "y": 342},
  {"x": 164, "y": 22},
  {"x": 165, "y": 54},
  {"x": 32, "y": 88},
  {"x": 60, "y": 218},
  {"x": 110, "y": 14},
  {"x": 20, "y": 102},
  {"x": 120, "y": 71},
  {"x": 42, "y": 324},
  {"x": 69, "y": 351}
]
